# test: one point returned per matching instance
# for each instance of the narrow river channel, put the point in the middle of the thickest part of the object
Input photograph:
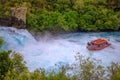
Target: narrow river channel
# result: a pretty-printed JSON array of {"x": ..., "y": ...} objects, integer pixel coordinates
[{"x": 49, "y": 50}]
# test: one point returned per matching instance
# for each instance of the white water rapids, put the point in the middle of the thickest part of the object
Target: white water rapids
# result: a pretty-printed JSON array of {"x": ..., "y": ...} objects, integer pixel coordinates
[{"x": 58, "y": 49}]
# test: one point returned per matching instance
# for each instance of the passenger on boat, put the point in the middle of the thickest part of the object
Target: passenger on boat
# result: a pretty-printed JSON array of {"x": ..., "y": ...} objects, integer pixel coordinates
[{"x": 88, "y": 43}]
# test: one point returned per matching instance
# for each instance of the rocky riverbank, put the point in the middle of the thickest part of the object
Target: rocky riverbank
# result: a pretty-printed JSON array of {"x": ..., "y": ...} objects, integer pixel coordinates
[
  {"x": 17, "y": 18},
  {"x": 12, "y": 21}
]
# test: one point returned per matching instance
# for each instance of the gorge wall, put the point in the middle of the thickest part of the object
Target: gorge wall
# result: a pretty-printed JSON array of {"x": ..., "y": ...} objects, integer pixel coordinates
[{"x": 17, "y": 18}]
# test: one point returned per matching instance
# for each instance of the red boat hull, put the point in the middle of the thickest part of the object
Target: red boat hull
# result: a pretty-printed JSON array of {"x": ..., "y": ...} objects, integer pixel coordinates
[{"x": 97, "y": 48}]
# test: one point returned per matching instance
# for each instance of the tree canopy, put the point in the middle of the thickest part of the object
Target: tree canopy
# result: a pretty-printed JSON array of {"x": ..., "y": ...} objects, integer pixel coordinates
[{"x": 68, "y": 15}]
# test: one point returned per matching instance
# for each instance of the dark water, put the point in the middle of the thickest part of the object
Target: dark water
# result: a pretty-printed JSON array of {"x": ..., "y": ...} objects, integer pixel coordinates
[{"x": 51, "y": 50}]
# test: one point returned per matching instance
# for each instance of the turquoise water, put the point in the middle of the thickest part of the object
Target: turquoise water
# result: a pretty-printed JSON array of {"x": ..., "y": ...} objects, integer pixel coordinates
[{"x": 49, "y": 50}]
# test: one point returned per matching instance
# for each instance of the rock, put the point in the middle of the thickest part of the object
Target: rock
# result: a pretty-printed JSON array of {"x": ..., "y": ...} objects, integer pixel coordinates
[
  {"x": 18, "y": 23},
  {"x": 5, "y": 21},
  {"x": 19, "y": 15},
  {"x": 12, "y": 21},
  {"x": 17, "y": 18}
]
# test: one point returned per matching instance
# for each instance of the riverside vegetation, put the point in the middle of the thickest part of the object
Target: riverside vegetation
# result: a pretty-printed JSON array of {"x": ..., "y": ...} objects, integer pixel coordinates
[
  {"x": 12, "y": 67},
  {"x": 63, "y": 15},
  {"x": 67, "y": 15}
]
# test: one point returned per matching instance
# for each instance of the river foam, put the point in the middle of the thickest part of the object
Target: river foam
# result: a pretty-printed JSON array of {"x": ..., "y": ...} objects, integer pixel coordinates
[{"x": 48, "y": 51}]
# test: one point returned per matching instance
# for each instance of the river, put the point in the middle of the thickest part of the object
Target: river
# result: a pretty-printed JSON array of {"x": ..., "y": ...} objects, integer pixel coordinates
[{"x": 49, "y": 50}]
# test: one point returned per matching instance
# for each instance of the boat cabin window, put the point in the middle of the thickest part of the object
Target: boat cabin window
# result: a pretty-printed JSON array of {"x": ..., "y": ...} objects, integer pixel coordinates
[{"x": 100, "y": 45}]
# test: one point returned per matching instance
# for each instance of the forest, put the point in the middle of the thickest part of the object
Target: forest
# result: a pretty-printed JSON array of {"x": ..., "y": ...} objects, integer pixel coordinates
[{"x": 67, "y": 15}]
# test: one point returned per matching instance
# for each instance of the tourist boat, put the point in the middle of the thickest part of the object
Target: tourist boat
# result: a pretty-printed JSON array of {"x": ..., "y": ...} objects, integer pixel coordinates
[{"x": 98, "y": 44}]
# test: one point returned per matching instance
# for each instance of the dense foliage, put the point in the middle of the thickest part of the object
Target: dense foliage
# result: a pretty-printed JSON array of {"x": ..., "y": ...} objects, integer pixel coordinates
[
  {"x": 1, "y": 42},
  {"x": 12, "y": 67},
  {"x": 11, "y": 63},
  {"x": 68, "y": 15}
]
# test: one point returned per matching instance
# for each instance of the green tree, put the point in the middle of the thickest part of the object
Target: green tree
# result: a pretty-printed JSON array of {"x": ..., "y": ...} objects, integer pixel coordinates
[
  {"x": 11, "y": 65},
  {"x": 71, "y": 19},
  {"x": 114, "y": 71},
  {"x": 79, "y": 5},
  {"x": 32, "y": 22},
  {"x": 18, "y": 63},
  {"x": 38, "y": 74},
  {"x": 60, "y": 73},
  {"x": 113, "y": 3},
  {"x": 88, "y": 68},
  {"x": 1, "y": 42},
  {"x": 49, "y": 20},
  {"x": 6, "y": 63}
]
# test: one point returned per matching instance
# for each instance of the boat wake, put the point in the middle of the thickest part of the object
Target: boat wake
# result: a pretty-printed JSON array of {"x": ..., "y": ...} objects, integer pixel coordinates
[{"x": 48, "y": 51}]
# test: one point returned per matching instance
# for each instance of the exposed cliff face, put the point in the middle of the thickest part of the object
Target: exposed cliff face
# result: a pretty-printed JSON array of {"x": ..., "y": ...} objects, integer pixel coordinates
[
  {"x": 12, "y": 21},
  {"x": 20, "y": 12},
  {"x": 17, "y": 18},
  {"x": 5, "y": 21},
  {"x": 18, "y": 23}
]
